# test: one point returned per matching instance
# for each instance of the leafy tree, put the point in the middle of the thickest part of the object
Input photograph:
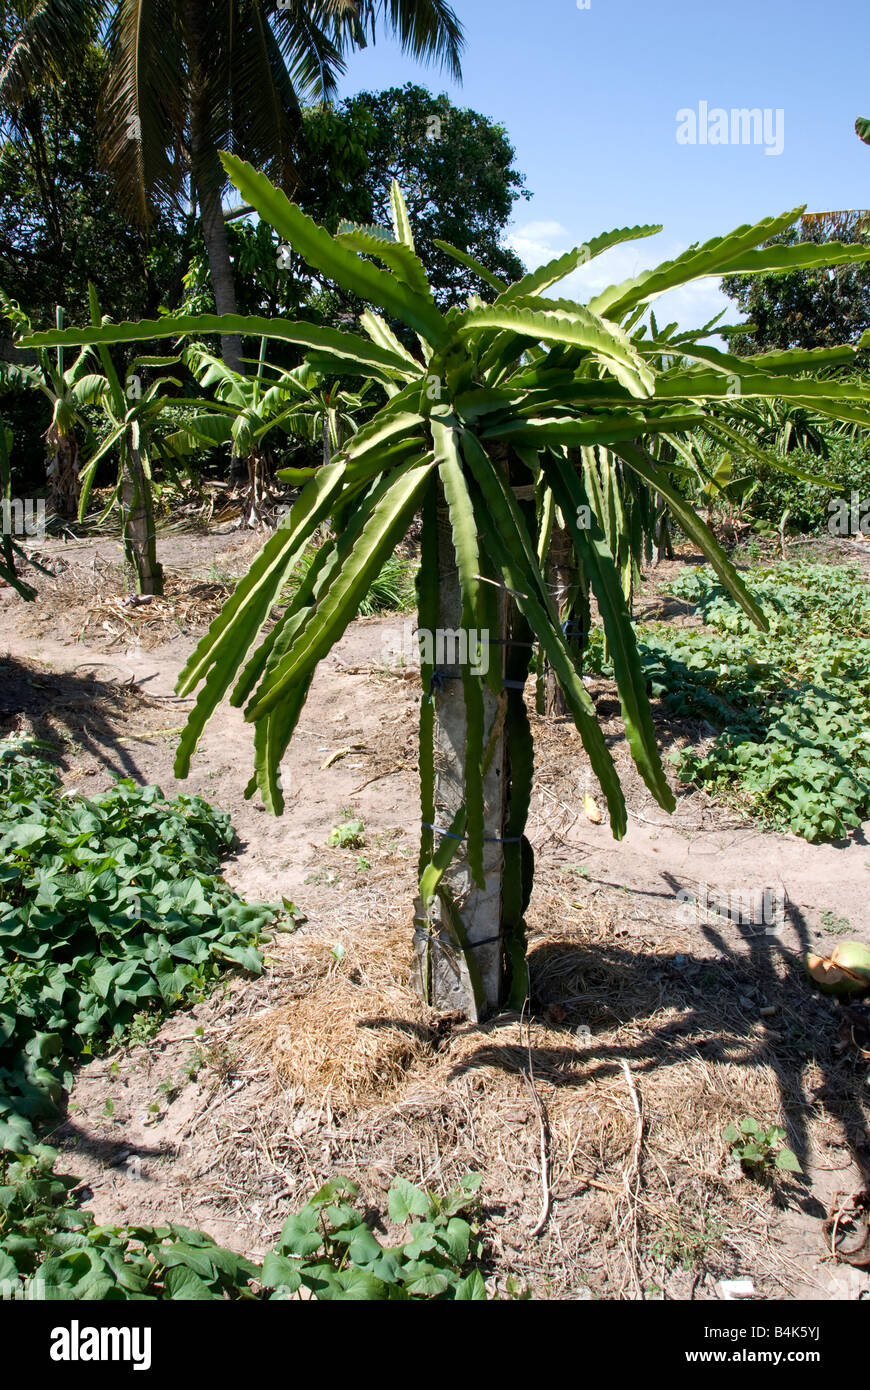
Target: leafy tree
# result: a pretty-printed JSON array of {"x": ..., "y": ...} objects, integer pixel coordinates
[
  {"x": 454, "y": 165},
  {"x": 462, "y": 185},
  {"x": 487, "y": 429},
  {"x": 807, "y": 308}
]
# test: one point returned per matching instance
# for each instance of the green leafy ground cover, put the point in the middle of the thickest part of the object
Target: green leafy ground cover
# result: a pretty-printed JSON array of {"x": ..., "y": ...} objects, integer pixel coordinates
[
  {"x": 112, "y": 908},
  {"x": 791, "y": 707},
  {"x": 50, "y": 1249},
  {"x": 109, "y": 906}
]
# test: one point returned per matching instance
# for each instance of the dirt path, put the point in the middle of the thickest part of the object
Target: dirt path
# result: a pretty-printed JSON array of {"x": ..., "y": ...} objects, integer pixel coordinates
[{"x": 227, "y": 1128}]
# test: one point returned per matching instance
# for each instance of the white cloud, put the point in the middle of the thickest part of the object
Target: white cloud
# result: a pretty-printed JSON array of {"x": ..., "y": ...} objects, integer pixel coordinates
[
  {"x": 534, "y": 242},
  {"x": 544, "y": 231}
]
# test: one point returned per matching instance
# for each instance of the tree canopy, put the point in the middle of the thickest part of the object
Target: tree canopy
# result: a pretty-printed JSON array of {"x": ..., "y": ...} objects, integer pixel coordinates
[
  {"x": 460, "y": 182},
  {"x": 807, "y": 308},
  {"x": 456, "y": 170}
]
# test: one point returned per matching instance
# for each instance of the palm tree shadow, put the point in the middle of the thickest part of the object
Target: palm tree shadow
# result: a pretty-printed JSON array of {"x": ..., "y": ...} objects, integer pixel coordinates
[{"x": 86, "y": 711}]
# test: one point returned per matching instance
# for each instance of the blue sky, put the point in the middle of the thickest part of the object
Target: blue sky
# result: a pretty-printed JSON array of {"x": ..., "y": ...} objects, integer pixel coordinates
[{"x": 590, "y": 100}]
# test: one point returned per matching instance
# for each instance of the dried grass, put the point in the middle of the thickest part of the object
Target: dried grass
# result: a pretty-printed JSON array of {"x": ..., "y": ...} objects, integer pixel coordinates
[
  {"x": 90, "y": 603},
  {"x": 356, "y": 1028},
  {"x": 640, "y": 1192}
]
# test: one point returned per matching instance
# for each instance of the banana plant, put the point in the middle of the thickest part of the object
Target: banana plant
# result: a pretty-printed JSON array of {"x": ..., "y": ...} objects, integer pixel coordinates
[
  {"x": 487, "y": 406},
  {"x": 246, "y": 410},
  {"x": 132, "y": 412},
  {"x": 69, "y": 390}
]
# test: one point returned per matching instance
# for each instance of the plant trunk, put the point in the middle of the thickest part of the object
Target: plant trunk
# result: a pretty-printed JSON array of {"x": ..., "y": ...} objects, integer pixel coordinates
[
  {"x": 137, "y": 529},
  {"x": 257, "y": 496},
  {"x": 561, "y": 583},
  {"x": 7, "y": 550},
  {"x": 217, "y": 249},
  {"x": 469, "y": 944},
  {"x": 62, "y": 473},
  {"x": 470, "y": 982},
  {"x": 327, "y": 450},
  {"x": 207, "y": 179},
  {"x": 663, "y": 547}
]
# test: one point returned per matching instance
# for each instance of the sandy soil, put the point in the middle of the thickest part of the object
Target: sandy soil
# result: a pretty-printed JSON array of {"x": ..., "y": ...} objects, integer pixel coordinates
[{"x": 637, "y": 995}]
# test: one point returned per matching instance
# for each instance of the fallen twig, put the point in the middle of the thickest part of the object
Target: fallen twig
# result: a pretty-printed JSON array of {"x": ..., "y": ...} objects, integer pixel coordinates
[
  {"x": 400, "y": 767},
  {"x": 529, "y": 1078}
]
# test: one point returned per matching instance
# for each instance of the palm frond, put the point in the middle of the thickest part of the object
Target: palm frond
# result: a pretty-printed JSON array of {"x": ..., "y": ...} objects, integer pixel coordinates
[
  {"x": 427, "y": 29},
  {"x": 144, "y": 111},
  {"x": 49, "y": 38}
]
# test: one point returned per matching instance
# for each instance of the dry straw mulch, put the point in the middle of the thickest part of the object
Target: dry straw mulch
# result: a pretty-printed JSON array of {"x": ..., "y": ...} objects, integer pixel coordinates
[
  {"x": 596, "y": 1120},
  {"x": 356, "y": 1031}
]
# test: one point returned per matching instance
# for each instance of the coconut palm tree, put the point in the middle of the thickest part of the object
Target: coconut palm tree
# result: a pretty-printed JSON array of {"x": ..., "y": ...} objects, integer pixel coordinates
[{"x": 40, "y": 41}]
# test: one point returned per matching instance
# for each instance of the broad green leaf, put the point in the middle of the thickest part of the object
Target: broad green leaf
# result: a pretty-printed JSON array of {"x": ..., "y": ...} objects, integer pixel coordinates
[
  {"x": 199, "y": 430},
  {"x": 458, "y": 1236},
  {"x": 788, "y": 1161},
  {"x": 361, "y": 1286},
  {"x": 405, "y": 1200},
  {"x": 428, "y": 1285},
  {"x": 472, "y": 1287},
  {"x": 184, "y": 1285},
  {"x": 279, "y": 1272}
]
